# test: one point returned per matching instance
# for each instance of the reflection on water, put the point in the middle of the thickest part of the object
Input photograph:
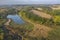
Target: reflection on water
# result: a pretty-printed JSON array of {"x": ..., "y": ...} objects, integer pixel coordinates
[{"x": 17, "y": 19}]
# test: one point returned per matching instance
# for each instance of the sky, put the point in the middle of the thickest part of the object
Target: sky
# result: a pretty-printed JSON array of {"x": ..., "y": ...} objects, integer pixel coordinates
[{"x": 10, "y": 2}]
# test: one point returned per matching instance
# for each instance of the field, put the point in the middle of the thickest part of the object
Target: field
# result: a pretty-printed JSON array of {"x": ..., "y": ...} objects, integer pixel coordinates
[{"x": 41, "y": 23}]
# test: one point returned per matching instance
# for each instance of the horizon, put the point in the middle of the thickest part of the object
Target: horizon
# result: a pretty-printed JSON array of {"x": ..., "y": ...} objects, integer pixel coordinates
[{"x": 23, "y": 2}]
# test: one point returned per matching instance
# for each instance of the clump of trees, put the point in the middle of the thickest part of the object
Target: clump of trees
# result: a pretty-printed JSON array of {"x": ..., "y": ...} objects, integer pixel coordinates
[
  {"x": 1, "y": 33},
  {"x": 56, "y": 20},
  {"x": 0, "y": 17}
]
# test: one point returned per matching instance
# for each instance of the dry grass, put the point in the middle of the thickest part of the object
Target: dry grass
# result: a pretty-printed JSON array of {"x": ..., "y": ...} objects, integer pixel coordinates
[
  {"x": 39, "y": 30},
  {"x": 42, "y": 14}
]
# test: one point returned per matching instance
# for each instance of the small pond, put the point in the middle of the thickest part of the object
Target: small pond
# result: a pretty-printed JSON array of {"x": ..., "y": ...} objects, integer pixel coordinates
[{"x": 16, "y": 18}]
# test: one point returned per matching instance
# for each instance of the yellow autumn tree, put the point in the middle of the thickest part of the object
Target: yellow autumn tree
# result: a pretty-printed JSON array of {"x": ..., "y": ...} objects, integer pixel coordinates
[{"x": 56, "y": 19}]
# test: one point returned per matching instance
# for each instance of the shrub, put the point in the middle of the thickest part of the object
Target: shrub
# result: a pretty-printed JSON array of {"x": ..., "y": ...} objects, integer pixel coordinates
[{"x": 56, "y": 19}]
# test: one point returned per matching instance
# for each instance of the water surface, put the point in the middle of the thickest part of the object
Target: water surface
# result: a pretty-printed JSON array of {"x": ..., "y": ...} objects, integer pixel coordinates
[{"x": 17, "y": 19}]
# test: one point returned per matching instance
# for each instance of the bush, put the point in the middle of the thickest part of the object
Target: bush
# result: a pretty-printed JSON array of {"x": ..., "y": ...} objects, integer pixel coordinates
[{"x": 56, "y": 19}]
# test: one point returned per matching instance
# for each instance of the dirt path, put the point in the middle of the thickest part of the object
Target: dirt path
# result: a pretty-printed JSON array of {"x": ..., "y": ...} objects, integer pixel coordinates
[
  {"x": 8, "y": 27},
  {"x": 10, "y": 31},
  {"x": 42, "y": 14},
  {"x": 8, "y": 22}
]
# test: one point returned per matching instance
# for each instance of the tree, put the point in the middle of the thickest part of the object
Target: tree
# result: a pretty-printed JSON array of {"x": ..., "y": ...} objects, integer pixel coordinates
[{"x": 56, "y": 19}]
